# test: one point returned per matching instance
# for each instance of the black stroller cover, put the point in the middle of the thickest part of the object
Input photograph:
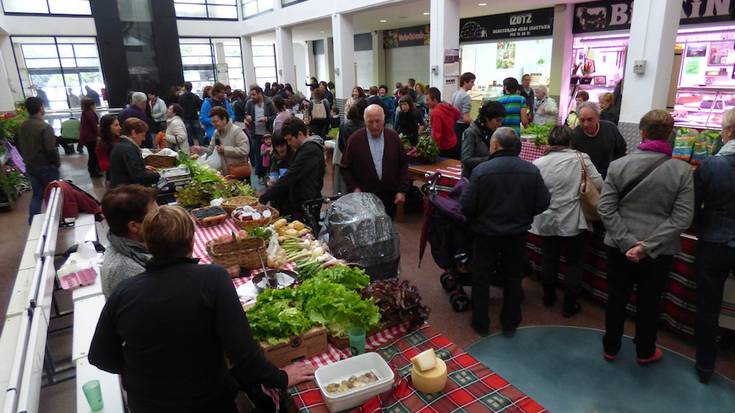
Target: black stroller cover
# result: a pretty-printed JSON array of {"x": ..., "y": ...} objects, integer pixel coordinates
[
  {"x": 357, "y": 230},
  {"x": 445, "y": 227}
]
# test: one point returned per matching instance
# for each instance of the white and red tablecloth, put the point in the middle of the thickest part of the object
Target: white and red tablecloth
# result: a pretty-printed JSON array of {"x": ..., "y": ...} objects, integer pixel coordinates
[{"x": 530, "y": 152}]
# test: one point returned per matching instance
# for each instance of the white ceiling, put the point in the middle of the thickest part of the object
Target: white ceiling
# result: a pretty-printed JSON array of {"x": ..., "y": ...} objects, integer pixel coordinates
[{"x": 406, "y": 14}]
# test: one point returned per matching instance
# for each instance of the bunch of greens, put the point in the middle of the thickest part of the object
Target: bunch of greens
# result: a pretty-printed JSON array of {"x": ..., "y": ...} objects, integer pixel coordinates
[
  {"x": 276, "y": 317},
  {"x": 199, "y": 172},
  {"x": 540, "y": 133},
  {"x": 336, "y": 307},
  {"x": 399, "y": 302},
  {"x": 407, "y": 146},
  {"x": 200, "y": 193},
  {"x": 352, "y": 278},
  {"x": 260, "y": 232},
  {"x": 426, "y": 147}
]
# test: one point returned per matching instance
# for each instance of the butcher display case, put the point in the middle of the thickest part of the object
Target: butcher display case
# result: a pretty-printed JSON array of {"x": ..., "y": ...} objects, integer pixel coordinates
[{"x": 702, "y": 107}]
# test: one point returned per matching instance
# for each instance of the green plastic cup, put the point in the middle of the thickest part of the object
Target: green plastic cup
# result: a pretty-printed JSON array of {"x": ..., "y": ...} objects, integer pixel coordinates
[
  {"x": 93, "y": 393},
  {"x": 357, "y": 340}
]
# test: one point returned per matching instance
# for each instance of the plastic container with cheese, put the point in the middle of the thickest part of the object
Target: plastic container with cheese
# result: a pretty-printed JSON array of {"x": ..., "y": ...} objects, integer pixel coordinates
[{"x": 354, "y": 366}]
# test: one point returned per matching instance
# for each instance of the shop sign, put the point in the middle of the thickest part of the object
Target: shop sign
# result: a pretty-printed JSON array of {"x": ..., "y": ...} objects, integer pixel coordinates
[
  {"x": 531, "y": 23},
  {"x": 407, "y": 36},
  {"x": 598, "y": 16}
]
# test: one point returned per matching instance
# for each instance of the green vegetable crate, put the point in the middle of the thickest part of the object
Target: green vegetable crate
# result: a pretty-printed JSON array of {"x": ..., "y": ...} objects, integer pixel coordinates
[{"x": 308, "y": 344}]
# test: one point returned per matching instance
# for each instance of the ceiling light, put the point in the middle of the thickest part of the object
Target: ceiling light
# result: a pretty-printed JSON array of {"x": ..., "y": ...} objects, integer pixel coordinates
[
  {"x": 426, "y": 13},
  {"x": 482, "y": 4},
  {"x": 321, "y": 31},
  {"x": 383, "y": 21}
]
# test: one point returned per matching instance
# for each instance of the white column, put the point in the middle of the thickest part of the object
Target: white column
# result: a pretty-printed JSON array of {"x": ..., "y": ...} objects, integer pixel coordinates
[
  {"x": 10, "y": 89},
  {"x": 378, "y": 58},
  {"x": 444, "y": 35},
  {"x": 284, "y": 55},
  {"x": 247, "y": 60},
  {"x": 223, "y": 76},
  {"x": 344, "y": 55},
  {"x": 653, "y": 45},
  {"x": 310, "y": 65},
  {"x": 561, "y": 54},
  {"x": 329, "y": 58}
]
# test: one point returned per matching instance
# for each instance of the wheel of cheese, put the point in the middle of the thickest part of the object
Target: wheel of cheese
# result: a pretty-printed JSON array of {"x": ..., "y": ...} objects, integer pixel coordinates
[{"x": 430, "y": 381}]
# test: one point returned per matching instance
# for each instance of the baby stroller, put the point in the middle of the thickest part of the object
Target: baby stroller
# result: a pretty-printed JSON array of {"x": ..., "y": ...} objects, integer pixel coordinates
[
  {"x": 357, "y": 230},
  {"x": 446, "y": 229}
]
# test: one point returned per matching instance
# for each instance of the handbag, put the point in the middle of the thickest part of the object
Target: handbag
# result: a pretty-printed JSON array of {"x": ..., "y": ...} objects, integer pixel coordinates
[
  {"x": 589, "y": 195},
  {"x": 240, "y": 170}
]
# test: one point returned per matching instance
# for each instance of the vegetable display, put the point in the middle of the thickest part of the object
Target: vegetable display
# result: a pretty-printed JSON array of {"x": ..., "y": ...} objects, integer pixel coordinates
[
  {"x": 199, "y": 172},
  {"x": 540, "y": 133},
  {"x": 201, "y": 193},
  {"x": 276, "y": 317},
  {"x": 336, "y": 307},
  {"x": 399, "y": 302},
  {"x": 351, "y": 278}
]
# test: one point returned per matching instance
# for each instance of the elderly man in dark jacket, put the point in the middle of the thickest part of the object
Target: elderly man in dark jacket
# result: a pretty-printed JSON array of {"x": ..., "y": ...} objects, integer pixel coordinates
[
  {"x": 304, "y": 178},
  {"x": 375, "y": 161},
  {"x": 503, "y": 196}
]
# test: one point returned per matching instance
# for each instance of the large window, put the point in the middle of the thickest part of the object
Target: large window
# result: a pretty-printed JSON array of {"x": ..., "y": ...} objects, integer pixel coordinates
[
  {"x": 209, "y": 60},
  {"x": 59, "y": 67},
  {"x": 206, "y": 9},
  {"x": 251, "y": 8},
  {"x": 285, "y": 3},
  {"x": 71, "y": 7},
  {"x": 264, "y": 61}
]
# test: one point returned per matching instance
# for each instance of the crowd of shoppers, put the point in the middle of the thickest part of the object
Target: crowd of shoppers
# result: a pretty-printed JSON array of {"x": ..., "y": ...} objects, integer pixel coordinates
[{"x": 646, "y": 201}]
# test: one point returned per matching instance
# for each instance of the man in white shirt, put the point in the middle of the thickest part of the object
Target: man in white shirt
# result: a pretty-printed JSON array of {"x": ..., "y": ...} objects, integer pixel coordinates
[
  {"x": 462, "y": 100},
  {"x": 158, "y": 110}
]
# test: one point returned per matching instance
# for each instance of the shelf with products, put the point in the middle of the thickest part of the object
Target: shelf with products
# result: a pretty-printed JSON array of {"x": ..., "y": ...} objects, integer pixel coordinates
[{"x": 702, "y": 108}]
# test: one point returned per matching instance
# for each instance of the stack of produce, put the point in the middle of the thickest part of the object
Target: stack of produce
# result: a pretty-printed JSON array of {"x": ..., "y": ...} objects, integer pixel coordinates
[
  {"x": 330, "y": 298},
  {"x": 309, "y": 255},
  {"x": 292, "y": 230},
  {"x": 540, "y": 133}
]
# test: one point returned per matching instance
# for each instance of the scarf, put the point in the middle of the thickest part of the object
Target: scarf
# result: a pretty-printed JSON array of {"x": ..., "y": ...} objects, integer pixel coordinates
[
  {"x": 727, "y": 149},
  {"x": 656, "y": 146},
  {"x": 129, "y": 248}
]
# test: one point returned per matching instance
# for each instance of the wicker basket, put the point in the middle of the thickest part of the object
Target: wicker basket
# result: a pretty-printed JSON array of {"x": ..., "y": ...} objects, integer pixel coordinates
[
  {"x": 211, "y": 220},
  {"x": 160, "y": 161},
  {"x": 248, "y": 225},
  {"x": 230, "y": 204},
  {"x": 246, "y": 253}
]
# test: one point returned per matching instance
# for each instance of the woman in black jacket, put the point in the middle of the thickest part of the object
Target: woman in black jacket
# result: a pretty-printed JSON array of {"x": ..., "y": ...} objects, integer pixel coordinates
[
  {"x": 476, "y": 138},
  {"x": 168, "y": 330},
  {"x": 409, "y": 122},
  {"x": 126, "y": 163}
]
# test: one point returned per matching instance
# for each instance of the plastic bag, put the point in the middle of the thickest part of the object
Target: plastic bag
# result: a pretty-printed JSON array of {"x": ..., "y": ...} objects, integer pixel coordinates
[
  {"x": 213, "y": 161},
  {"x": 699, "y": 152},
  {"x": 684, "y": 145}
]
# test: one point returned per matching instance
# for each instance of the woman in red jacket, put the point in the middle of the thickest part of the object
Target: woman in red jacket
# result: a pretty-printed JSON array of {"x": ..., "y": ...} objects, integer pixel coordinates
[
  {"x": 110, "y": 130},
  {"x": 88, "y": 133}
]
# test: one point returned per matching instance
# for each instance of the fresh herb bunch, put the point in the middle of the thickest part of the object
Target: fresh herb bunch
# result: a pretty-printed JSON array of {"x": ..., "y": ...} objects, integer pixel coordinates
[
  {"x": 352, "y": 278},
  {"x": 540, "y": 133},
  {"x": 260, "y": 232},
  {"x": 199, "y": 172},
  {"x": 199, "y": 193},
  {"x": 426, "y": 147}
]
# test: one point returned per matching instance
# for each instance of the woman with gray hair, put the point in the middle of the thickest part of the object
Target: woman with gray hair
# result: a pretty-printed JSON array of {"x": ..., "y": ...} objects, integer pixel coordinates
[
  {"x": 564, "y": 223},
  {"x": 714, "y": 208},
  {"x": 546, "y": 109},
  {"x": 646, "y": 203}
]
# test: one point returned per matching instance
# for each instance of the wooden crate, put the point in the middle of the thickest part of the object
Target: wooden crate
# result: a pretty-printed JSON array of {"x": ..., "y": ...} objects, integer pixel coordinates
[{"x": 309, "y": 344}]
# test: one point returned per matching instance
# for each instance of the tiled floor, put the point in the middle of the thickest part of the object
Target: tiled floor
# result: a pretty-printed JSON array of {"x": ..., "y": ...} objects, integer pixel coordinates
[{"x": 61, "y": 397}]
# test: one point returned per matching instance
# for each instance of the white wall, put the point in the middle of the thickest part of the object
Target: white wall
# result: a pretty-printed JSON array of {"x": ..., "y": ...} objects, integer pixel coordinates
[
  {"x": 320, "y": 64},
  {"x": 364, "y": 63},
  {"x": 203, "y": 28},
  {"x": 404, "y": 62}
]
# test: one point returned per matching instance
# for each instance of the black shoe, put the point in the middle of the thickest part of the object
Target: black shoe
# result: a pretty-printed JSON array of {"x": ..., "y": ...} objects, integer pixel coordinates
[
  {"x": 549, "y": 296},
  {"x": 570, "y": 310},
  {"x": 704, "y": 375},
  {"x": 483, "y": 332}
]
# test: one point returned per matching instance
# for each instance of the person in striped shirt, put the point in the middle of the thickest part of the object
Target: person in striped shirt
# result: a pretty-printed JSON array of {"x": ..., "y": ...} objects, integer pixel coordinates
[{"x": 516, "y": 108}]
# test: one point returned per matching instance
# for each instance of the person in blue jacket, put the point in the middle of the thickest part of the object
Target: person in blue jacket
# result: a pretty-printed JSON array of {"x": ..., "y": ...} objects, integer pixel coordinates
[
  {"x": 217, "y": 98},
  {"x": 389, "y": 105}
]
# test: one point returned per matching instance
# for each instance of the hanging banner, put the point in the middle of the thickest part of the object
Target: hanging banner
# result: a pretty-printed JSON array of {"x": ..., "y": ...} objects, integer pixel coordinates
[
  {"x": 531, "y": 23},
  {"x": 407, "y": 36},
  {"x": 600, "y": 16}
]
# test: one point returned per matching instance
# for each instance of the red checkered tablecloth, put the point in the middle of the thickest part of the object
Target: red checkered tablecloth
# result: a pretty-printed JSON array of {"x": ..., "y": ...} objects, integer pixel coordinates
[
  {"x": 471, "y": 386},
  {"x": 530, "y": 152},
  {"x": 202, "y": 235}
]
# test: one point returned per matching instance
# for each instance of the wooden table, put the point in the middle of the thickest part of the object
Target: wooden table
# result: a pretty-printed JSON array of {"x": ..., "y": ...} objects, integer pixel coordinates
[{"x": 450, "y": 168}]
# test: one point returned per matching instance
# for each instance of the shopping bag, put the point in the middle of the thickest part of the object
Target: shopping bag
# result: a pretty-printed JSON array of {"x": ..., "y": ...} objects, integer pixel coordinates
[{"x": 213, "y": 161}]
